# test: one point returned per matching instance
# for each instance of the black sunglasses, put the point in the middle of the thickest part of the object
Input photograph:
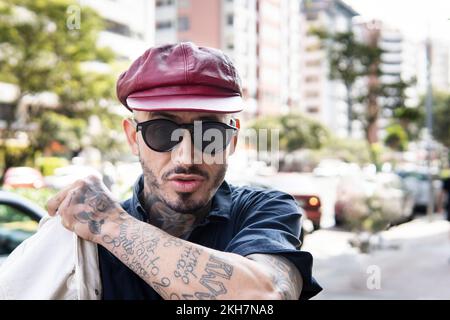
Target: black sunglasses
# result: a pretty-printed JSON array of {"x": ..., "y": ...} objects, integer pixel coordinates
[{"x": 160, "y": 134}]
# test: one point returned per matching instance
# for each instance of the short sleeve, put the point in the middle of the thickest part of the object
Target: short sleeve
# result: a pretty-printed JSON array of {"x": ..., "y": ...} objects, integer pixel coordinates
[
  {"x": 270, "y": 223},
  {"x": 446, "y": 184}
]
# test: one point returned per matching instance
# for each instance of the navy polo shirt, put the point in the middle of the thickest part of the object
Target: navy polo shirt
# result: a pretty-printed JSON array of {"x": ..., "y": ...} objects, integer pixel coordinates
[{"x": 242, "y": 220}]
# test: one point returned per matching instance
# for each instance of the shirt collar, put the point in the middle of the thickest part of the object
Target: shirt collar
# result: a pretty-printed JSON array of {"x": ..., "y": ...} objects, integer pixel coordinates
[{"x": 220, "y": 205}]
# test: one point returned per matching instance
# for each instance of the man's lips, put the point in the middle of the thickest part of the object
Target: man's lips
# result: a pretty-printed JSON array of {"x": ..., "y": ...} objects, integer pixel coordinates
[{"x": 185, "y": 182}]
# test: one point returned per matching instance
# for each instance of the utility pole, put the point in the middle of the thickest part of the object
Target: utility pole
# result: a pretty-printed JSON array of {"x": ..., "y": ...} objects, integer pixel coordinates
[{"x": 429, "y": 137}]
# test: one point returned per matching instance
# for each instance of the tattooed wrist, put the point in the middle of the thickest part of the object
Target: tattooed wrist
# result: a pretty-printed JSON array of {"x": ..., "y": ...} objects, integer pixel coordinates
[{"x": 110, "y": 228}]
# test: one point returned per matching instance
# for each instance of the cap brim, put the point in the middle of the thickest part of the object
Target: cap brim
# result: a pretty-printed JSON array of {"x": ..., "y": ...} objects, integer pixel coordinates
[{"x": 197, "y": 103}]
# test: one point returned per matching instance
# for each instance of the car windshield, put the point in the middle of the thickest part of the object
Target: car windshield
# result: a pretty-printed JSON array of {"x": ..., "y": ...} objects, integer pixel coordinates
[{"x": 15, "y": 227}]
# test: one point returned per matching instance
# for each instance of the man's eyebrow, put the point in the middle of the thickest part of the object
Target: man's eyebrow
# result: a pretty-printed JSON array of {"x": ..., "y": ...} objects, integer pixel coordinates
[
  {"x": 208, "y": 118},
  {"x": 165, "y": 115},
  {"x": 172, "y": 116}
]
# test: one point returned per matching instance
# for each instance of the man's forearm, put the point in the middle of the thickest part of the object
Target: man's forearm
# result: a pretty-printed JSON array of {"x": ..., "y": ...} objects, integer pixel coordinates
[{"x": 179, "y": 269}]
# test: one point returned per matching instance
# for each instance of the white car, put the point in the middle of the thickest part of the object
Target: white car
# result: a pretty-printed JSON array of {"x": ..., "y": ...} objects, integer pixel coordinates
[{"x": 416, "y": 182}]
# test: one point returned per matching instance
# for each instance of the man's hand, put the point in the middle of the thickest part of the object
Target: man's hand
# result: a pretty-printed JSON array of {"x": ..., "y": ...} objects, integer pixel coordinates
[{"x": 87, "y": 207}]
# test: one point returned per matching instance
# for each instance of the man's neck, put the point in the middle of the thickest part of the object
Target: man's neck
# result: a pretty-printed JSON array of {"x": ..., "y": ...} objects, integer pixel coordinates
[{"x": 175, "y": 223}]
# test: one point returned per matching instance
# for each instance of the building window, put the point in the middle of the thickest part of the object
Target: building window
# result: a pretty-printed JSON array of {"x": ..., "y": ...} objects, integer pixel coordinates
[
  {"x": 119, "y": 28},
  {"x": 183, "y": 24},
  {"x": 311, "y": 94},
  {"x": 184, "y": 4},
  {"x": 312, "y": 109},
  {"x": 161, "y": 3},
  {"x": 230, "y": 19},
  {"x": 313, "y": 63},
  {"x": 163, "y": 25},
  {"x": 312, "y": 78}
]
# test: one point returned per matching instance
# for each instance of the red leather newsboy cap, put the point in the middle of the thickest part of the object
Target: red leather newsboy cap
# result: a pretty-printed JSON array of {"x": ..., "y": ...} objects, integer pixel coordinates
[{"x": 181, "y": 77}]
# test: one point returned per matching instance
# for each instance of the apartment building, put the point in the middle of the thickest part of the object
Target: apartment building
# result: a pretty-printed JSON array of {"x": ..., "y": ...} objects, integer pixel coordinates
[
  {"x": 129, "y": 25},
  {"x": 260, "y": 36},
  {"x": 321, "y": 98}
]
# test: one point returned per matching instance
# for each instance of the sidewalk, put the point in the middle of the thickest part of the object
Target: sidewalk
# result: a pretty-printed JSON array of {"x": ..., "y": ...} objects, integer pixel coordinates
[{"x": 413, "y": 264}]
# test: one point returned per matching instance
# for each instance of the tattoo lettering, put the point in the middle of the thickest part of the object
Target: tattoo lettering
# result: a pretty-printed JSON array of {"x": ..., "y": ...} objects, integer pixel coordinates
[
  {"x": 139, "y": 246},
  {"x": 216, "y": 270},
  {"x": 173, "y": 241},
  {"x": 187, "y": 263},
  {"x": 160, "y": 287}
]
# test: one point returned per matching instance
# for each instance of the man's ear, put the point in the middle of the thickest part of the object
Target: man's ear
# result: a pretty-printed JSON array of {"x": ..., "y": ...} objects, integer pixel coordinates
[{"x": 130, "y": 131}]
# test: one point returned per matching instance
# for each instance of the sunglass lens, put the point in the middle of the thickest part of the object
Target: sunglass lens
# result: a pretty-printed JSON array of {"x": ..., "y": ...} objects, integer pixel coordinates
[
  {"x": 159, "y": 135},
  {"x": 215, "y": 137}
]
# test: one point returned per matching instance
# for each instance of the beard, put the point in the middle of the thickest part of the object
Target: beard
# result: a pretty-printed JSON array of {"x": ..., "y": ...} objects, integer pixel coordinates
[{"x": 184, "y": 202}]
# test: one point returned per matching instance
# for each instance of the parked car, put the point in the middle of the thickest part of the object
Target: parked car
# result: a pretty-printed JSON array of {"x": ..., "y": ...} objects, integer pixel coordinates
[
  {"x": 335, "y": 168},
  {"x": 394, "y": 200},
  {"x": 416, "y": 182},
  {"x": 19, "y": 219},
  {"x": 23, "y": 177},
  {"x": 310, "y": 203},
  {"x": 302, "y": 188}
]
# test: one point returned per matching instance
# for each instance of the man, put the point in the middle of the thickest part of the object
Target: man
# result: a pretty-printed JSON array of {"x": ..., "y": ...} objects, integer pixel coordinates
[{"x": 186, "y": 233}]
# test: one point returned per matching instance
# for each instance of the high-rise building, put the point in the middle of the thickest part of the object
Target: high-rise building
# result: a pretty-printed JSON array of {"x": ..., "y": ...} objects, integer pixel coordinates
[
  {"x": 260, "y": 36},
  {"x": 229, "y": 25},
  {"x": 278, "y": 32},
  {"x": 401, "y": 60},
  {"x": 320, "y": 97},
  {"x": 129, "y": 25}
]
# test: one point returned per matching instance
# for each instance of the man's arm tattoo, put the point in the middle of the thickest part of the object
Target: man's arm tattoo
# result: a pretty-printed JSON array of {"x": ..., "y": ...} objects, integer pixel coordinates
[
  {"x": 216, "y": 271},
  {"x": 284, "y": 274}
]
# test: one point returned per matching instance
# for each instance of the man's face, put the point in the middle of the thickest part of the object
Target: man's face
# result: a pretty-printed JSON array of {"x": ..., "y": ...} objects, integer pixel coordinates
[{"x": 184, "y": 179}]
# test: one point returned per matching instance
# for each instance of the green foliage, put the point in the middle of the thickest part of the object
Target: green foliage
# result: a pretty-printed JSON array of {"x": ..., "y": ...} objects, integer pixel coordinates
[
  {"x": 111, "y": 139},
  {"x": 351, "y": 60},
  {"x": 40, "y": 53},
  {"x": 368, "y": 213},
  {"x": 348, "y": 150},
  {"x": 48, "y": 165},
  {"x": 295, "y": 132},
  {"x": 441, "y": 117},
  {"x": 60, "y": 128},
  {"x": 396, "y": 137},
  {"x": 9, "y": 214},
  {"x": 38, "y": 196}
]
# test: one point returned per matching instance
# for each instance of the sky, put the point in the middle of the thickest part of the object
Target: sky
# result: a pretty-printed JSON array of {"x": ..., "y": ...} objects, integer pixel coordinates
[{"x": 415, "y": 18}]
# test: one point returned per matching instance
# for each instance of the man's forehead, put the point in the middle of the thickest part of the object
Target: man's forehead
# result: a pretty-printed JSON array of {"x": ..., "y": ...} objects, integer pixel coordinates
[{"x": 182, "y": 115}]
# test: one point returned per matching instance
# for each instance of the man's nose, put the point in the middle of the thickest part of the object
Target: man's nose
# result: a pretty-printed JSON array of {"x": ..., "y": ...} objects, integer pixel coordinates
[{"x": 184, "y": 152}]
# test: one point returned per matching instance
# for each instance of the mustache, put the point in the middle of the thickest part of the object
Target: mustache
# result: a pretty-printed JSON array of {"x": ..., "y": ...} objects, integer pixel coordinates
[{"x": 186, "y": 170}]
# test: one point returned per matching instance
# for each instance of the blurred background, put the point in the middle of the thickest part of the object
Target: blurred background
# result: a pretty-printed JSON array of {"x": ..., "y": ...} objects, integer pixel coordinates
[{"x": 358, "y": 91}]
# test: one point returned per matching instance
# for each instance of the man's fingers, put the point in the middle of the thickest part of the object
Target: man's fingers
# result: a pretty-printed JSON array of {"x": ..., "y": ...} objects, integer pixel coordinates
[
  {"x": 55, "y": 201},
  {"x": 66, "y": 220}
]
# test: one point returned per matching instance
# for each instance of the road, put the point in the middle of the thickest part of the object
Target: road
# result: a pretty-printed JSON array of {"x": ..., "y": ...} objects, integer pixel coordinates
[{"x": 412, "y": 263}]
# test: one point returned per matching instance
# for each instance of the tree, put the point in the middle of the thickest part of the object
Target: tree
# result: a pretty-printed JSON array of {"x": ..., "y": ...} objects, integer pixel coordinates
[
  {"x": 40, "y": 53},
  {"x": 353, "y": 61},
  {"x": 441, "y": 117},
  {"x": 349, "y": 60},
  {"x": 396, "y": 137},
  {"x": 295, "y": 131}
]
